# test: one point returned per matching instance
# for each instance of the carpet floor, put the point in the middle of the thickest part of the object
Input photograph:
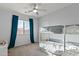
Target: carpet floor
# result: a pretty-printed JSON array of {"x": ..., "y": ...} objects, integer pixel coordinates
[{"x": 26, "y": 50}]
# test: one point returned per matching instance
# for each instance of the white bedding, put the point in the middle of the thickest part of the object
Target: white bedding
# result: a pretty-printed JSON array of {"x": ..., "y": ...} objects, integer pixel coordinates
[{"x": 53, "y": 47}]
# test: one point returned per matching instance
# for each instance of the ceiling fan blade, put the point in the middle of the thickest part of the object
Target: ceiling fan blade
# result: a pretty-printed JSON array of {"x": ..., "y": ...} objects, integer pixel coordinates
[
  {"x": 35, "y": 6},
  {"x": 29, "y": 11},
  {"x": 42, "y": 10},
  {"x": 37, "y": 13}
]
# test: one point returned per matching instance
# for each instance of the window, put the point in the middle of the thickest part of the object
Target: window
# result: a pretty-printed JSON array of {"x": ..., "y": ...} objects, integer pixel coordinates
[
  {"x": 23, "y": 27},
  {"x": 20, "y": 27},
  {"x": 26, "y": 27}
]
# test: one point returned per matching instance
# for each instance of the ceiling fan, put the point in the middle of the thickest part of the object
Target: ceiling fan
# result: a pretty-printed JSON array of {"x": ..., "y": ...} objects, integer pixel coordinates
[{"x": 35, "y": 9}]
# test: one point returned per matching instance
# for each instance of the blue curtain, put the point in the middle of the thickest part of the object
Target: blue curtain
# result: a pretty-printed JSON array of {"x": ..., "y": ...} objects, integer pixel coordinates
[
  {"x": 13, "y": 31},
  {"x": 31, "y": 30}
]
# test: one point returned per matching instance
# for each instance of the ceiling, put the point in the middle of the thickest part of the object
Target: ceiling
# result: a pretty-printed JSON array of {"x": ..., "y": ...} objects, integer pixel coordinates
[{"x": 22, "y": 7}]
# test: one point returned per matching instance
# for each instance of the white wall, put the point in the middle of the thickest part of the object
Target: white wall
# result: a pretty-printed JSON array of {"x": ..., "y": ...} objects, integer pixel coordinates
[
  {"x": 5, "y": 27},
  {"x": 67, "y": 15}
]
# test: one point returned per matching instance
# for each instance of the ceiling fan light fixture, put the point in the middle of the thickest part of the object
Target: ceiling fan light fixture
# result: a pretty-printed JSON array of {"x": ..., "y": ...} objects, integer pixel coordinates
[
  {"x": 35, "y": 11},
  {"x": 36, "y": 7}
]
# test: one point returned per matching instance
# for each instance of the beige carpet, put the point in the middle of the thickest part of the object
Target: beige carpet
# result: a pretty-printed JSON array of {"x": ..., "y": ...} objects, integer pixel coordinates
[{"x": 26, "y": 50}]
